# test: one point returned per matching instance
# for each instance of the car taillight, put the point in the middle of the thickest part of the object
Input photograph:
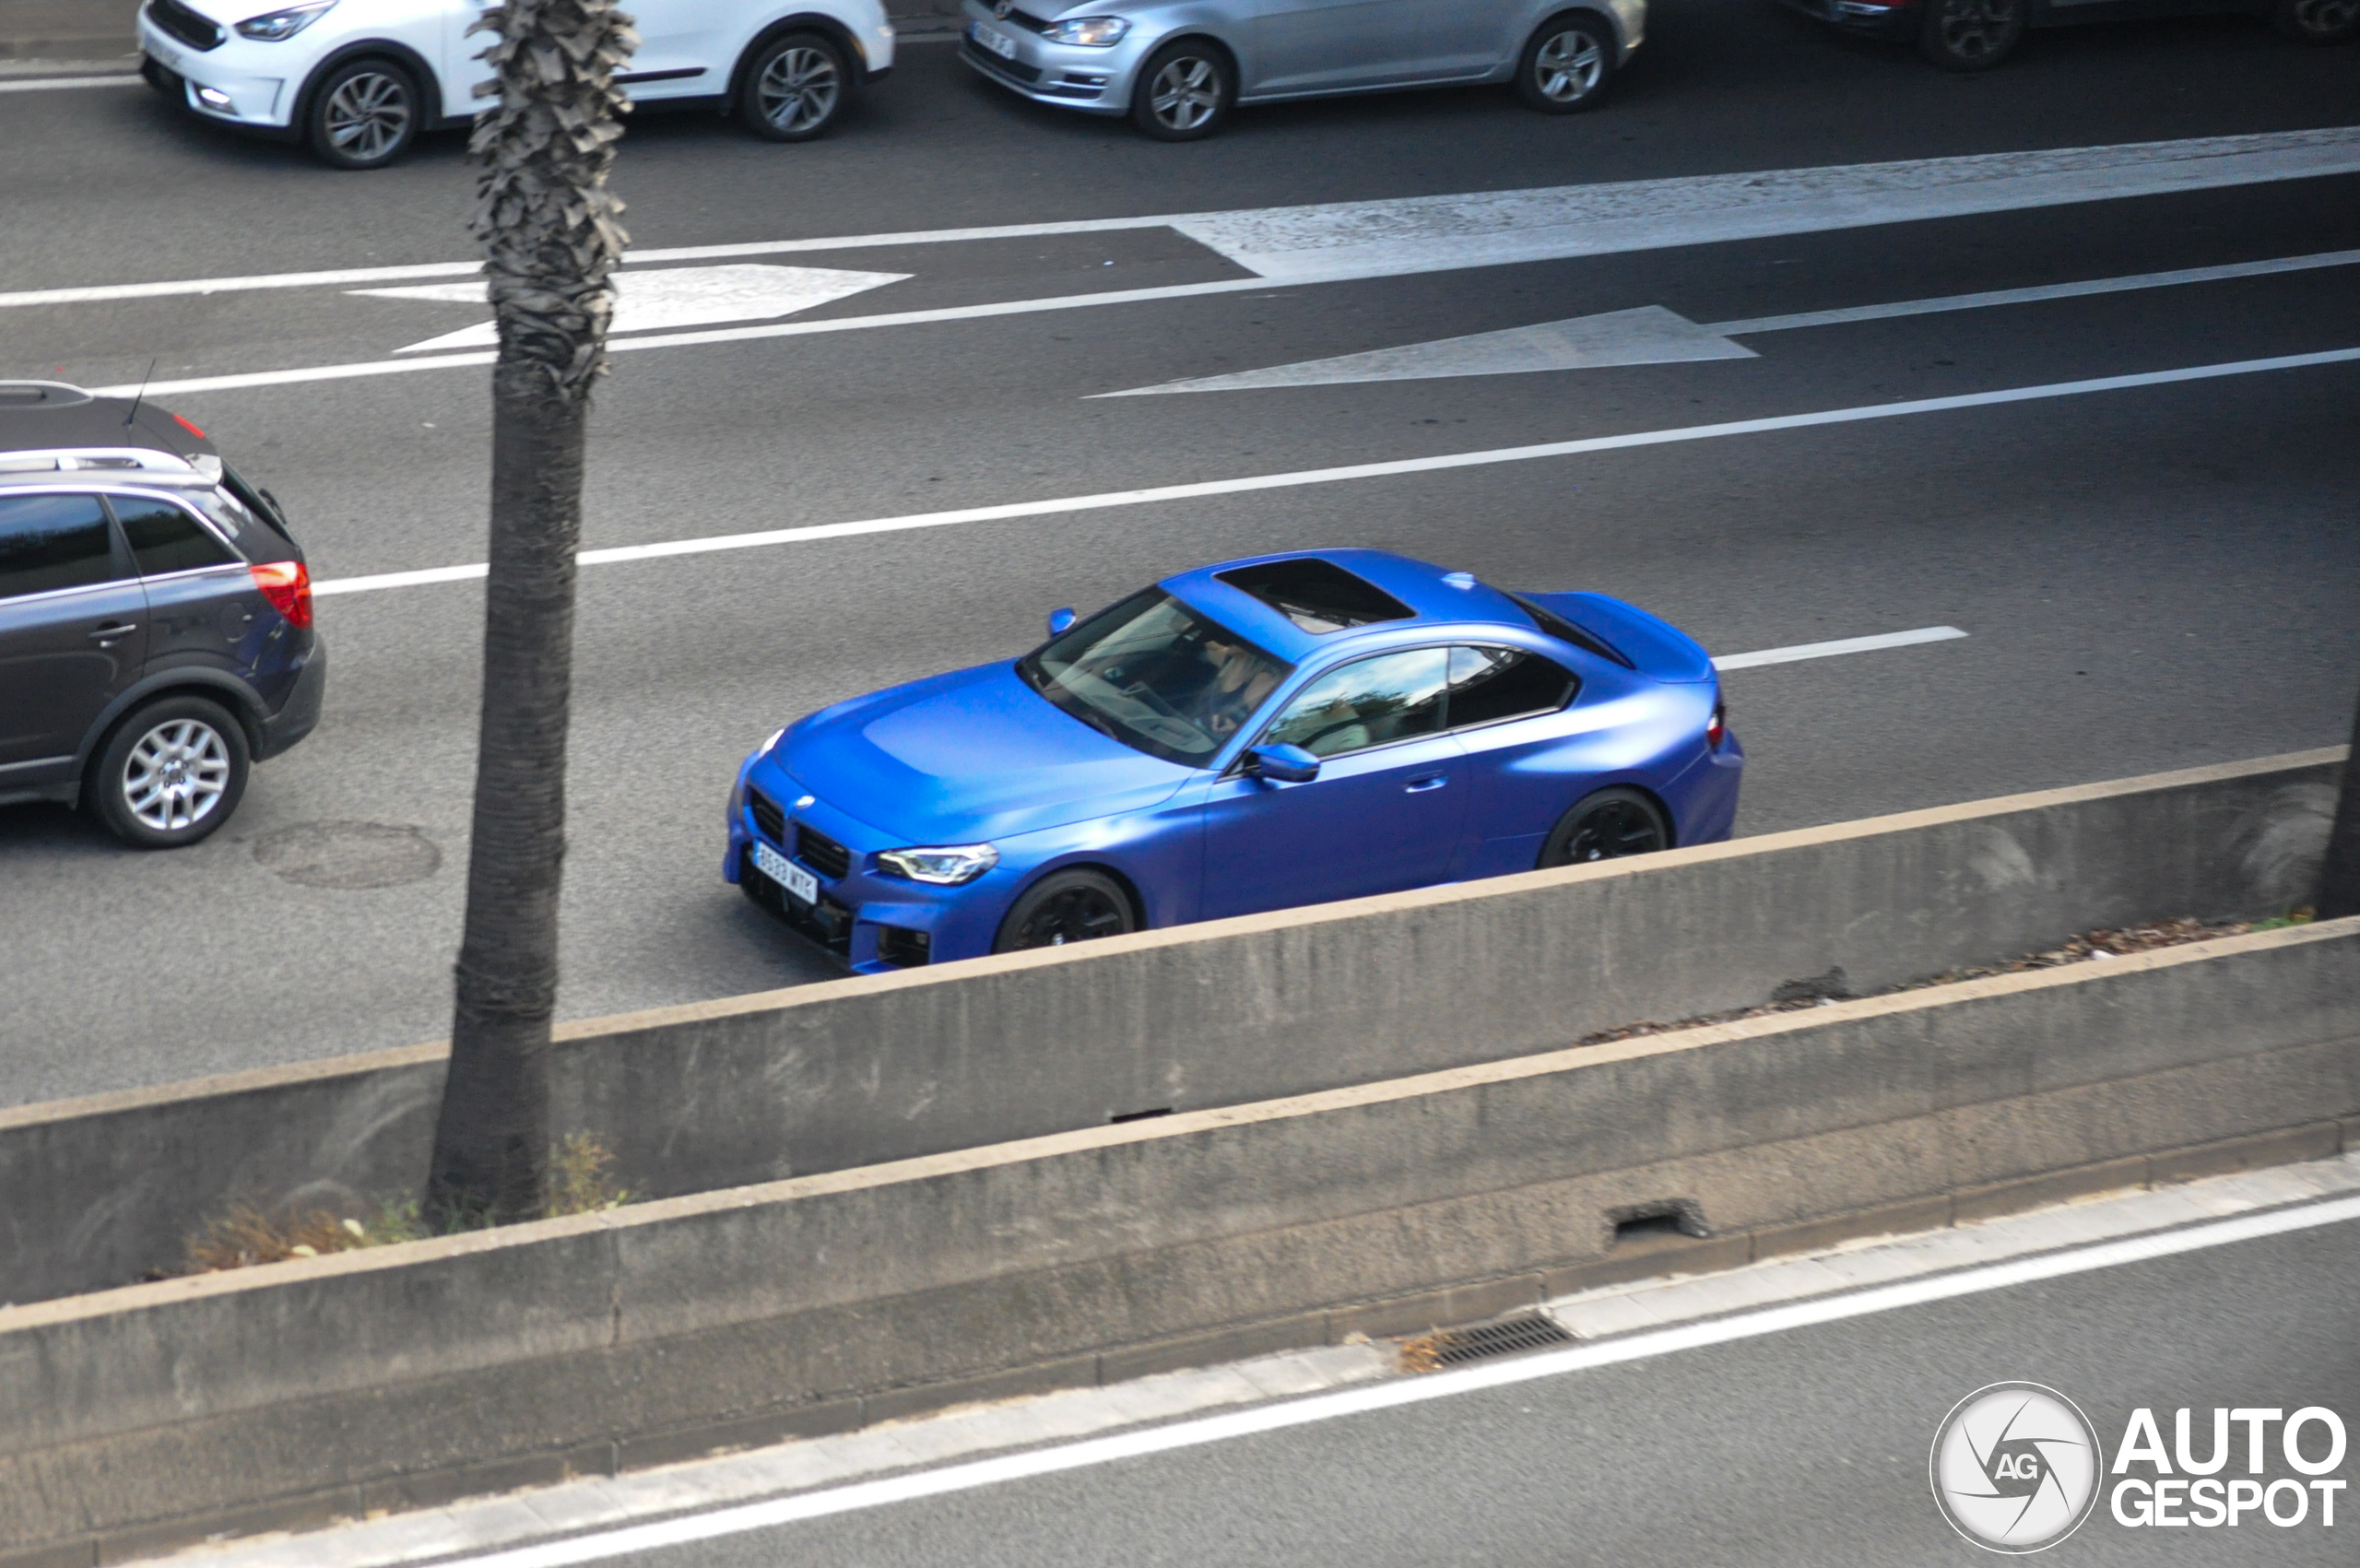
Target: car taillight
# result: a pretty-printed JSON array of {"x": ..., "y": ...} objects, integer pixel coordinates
[
  {"x": 1717, "y": 728},
  {"x": 287, "y": 585}
]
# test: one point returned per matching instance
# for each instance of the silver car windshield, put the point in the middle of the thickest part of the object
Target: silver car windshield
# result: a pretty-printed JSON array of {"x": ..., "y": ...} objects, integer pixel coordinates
[{"x": 1156, "y": 675}]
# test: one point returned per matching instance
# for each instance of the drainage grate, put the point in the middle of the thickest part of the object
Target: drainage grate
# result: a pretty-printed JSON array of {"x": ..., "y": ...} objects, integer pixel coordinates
[{"x": 1454, "y": 1347}]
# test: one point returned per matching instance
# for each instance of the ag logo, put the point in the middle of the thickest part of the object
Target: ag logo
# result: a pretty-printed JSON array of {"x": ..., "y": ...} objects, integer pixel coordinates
[{"x": 2015, "y": 1468}]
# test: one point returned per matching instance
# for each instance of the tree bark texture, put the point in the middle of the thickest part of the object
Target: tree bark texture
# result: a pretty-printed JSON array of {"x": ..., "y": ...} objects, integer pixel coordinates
[
  {"x": 2340, "y": 872},
  {"x": 551, "y": 241}
]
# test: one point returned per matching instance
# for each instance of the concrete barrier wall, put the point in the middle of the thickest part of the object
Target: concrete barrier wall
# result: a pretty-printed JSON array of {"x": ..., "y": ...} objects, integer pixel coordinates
[
  {"x": 856, "y": 1072},
  {"x": 375, "y": 1379}
]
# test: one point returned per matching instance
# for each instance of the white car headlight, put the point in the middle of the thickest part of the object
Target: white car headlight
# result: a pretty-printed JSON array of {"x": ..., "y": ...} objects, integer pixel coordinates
[
  {"x": 946, "y": 866},
  {"x": 276, "y": 27},
  {"x": 1093, "y": 32}
]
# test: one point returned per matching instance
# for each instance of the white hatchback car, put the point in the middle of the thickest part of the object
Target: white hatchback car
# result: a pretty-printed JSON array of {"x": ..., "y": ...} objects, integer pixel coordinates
[{"x": 358, "y": 79}]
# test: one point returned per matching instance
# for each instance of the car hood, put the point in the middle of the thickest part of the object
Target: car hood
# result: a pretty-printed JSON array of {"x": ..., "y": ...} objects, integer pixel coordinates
[{"x": 966, "y": 757}]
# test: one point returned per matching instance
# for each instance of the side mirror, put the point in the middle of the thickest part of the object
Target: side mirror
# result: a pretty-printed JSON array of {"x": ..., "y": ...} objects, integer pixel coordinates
[
  {"x": 1282, "y": 763},
  {"x": 1060, "y": 621}
]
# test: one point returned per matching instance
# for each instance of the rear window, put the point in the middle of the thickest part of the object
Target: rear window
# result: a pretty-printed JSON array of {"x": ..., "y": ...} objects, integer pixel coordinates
[
  {"x": 1317, "y": 595},
  {"x": 1564, "y": 631}
]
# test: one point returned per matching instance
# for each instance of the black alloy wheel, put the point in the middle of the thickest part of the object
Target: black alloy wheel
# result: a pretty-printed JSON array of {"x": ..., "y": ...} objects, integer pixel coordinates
[
  {"x": 2317, "y": 21},
  {"x": 1185, "y": 91},
  {"x": 796, "y": 86},
  {"x": 1606, "y": 826},
  {"x": 364, "y": 114},
  {"x": 1971, "y": 35},
  {"x": 1067, "y": 906},
  {"x": 1565, "y": 65}
]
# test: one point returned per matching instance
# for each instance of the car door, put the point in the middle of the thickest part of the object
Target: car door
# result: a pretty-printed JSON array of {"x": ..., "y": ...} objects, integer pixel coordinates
[
  {"x": 460, "y": 68},
  {"x": 1384, "y": 814},
  {"x": 72, "y": 630},
  {"x": 1451, "y": 39},
  {"x": 680, "y": 47},
  {"x": 201, "y": 597},
  {"x": 1303, "y": 46}
]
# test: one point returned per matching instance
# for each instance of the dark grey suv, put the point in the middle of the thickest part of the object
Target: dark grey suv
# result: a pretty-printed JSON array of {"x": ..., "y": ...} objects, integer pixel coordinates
[{"x": 156, "y": 634}]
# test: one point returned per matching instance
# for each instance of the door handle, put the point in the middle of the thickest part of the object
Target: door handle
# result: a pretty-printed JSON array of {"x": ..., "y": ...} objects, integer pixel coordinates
[
  {"x": 1429, "y": 781},
  {"x": 115, "y": 633}
]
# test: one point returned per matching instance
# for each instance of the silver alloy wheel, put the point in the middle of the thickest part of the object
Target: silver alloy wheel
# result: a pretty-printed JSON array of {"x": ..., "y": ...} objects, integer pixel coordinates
[
  {"x": 368, "y": 115},
  {"x": 798, "y": 89},
  {"x": 175, "y": 774},
  {"x": 1568, "y": 67},
  {"x": 2324, "y": 18},
  {"x": 1976, "y": 30},
  {"x": 1186, "y": 93}
]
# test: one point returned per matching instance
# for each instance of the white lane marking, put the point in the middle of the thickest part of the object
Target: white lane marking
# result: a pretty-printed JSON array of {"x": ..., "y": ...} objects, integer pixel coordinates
[
  {"x": 1362, "y": 1400},
  {"x": 1647, "y": 335},
  {"x": 1653, "y": 336},
  {"x": 1440, "y": 233},
  {"x": 51, "y": 84},
  {"x": 1393, "y": 469},
  {"x": 668, "y": 297},
  {"x": 1839, "y": 647}
]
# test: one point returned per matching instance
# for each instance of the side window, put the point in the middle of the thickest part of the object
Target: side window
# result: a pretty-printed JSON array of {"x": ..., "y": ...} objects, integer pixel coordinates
[
  {"x": 48, "y": 542},
  {"x": 1490, "y": 684},
  {"x": 164, "y": 538},
  {"x": 1366, "y": 702}
]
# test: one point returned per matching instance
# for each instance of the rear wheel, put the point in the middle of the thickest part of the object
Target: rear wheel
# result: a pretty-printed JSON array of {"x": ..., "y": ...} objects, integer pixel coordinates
[
  {"x": 1971, "y": 35},
  {"x": 171, "y": 773},
  {"x": 2317, "y": 21},
  {"x": 1565, "y": 65},
  {"x": 795, "y": 88},
  {"x": 1185, "y": 92},
  {"x": 1067, "y": 906},
  {"x": 364, "y": 114},
  {"x": 1606, "y": 826}
]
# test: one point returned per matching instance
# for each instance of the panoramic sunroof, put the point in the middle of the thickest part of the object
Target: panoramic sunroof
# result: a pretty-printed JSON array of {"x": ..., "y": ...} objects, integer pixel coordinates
[{"x": 1317, "y": 595}]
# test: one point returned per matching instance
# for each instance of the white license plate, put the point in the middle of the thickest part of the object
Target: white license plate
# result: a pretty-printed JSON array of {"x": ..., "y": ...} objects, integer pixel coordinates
[
  {"x": 786, "y": 872},
  {"x": 994, "y": 39}
]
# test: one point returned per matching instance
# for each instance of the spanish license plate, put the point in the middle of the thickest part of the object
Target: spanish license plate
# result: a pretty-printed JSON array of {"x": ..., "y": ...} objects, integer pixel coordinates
[
  {"x": 992, "y": 39},
  {"x": 798, "y": 882}
]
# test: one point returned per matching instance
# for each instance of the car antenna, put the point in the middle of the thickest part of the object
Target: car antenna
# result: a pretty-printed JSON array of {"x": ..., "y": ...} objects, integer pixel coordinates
[{"x": 142, "y": 392}]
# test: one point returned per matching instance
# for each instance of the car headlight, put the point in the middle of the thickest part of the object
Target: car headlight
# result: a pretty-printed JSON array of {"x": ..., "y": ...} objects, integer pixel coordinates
[
  {"x": 1094, "y": 32},
  {"x": 275, "y": 27},
  {"x": 764, "y": 749},
  {"x": 945, "y": 867}
]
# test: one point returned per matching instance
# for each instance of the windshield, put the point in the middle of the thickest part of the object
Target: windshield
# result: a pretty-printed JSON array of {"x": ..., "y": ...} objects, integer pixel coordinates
[{"x": 1156, "y": 675}]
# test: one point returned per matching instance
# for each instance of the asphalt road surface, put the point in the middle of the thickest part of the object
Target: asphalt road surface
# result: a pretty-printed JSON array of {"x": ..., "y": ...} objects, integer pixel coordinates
[{"x": 2152, "y": 573}]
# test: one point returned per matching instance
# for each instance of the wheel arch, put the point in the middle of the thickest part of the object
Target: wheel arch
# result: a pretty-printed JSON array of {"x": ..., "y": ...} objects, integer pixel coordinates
[
  {"x": 1639, "y": 786},
  {"x": 402, "y": 54},
  {"x": 1601, "y": 14},
  {"x": 233, "y": 694},
  {"x": 801, "y": 21},
  {"x": 1085, "y": 860}
]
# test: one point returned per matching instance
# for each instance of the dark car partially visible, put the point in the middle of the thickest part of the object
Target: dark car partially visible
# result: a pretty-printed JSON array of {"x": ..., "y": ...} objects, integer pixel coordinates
[
  {"x": 1973, "y": 35},
  {"x": 155, "y": 636}
]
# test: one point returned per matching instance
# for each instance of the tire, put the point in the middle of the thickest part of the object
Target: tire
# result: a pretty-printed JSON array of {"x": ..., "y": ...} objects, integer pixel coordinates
[
  {"x": 1185, "y": 91},
  {"x": 795, "y": 88},
  {"x": 171, "y": 773},
  {"x": 364, "y": 114},
  {"x": 2317, "y": 21},
  {"x": 1067, "y": 906},
  {"x": 1606, "y": 826},
  {"x": 1565, "y": 65},
  {"x": 1971, "y": 35}
]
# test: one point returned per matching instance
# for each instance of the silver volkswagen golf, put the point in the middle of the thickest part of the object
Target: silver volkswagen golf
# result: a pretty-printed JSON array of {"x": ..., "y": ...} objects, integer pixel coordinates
[{"x": 1178, "y": 67}]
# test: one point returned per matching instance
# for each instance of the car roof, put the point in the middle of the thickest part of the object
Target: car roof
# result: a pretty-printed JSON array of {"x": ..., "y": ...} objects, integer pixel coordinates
[
  {"x": 1434, "y": 595},
  {"x": 53, "y": 415}
]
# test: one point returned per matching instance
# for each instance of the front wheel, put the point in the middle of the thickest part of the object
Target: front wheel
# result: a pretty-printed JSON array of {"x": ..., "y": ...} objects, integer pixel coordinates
[
  {"x": 1607, "y": 826},
  {"x": 1971, "y": 35},
  {"x": 171, "y": 773},
  {"x": 1565, "y": 65},
  {"x": 1065, "y": 906},
  {"x": 2317, "y": 21},
  {"x": 1185, "y": 91},
  {"x": 364, "y": 114},
  {"x": 795, "y": 88}
]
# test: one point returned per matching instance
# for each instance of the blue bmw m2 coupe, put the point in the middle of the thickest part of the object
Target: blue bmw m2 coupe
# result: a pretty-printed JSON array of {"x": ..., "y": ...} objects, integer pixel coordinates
[{"x": 1286, "y": 730}]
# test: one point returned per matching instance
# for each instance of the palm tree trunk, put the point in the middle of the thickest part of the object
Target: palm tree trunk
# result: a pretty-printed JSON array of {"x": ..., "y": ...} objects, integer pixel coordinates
[
  {"x": 2340, "y": 873},
  {"x": 551, "y": 239}
]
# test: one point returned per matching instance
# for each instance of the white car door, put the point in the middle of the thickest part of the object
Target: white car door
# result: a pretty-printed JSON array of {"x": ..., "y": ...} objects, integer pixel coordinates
[
  {"x": 681, "y": 44},
  {"x": 458, "y": 66}
]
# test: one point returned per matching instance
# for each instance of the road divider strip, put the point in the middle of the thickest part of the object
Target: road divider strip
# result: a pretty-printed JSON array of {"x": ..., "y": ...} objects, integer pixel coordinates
[{"x": 1393, "y": 469}]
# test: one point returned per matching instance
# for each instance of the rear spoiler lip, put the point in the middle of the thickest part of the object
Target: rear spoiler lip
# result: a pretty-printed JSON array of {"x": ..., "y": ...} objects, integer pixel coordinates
[{"x": 1633, "y": 638}]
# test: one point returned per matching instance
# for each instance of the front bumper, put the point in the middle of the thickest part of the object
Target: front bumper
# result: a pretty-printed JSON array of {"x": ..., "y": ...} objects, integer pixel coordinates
[
  {"x": 1097, "y": 81},
  {"x": 230, "y": 82},
  {"x": 1871, "y": 18}
]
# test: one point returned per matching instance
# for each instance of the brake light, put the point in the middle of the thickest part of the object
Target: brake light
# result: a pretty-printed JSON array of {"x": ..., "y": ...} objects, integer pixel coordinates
[
  {"x": 1716, "y": 729},
  {"x": 189, "y": 428},
  {"x": 287, "y": 585}
]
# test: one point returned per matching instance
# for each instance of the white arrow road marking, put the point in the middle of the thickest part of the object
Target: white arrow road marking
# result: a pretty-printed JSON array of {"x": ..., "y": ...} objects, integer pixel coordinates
[
  {"x": 675, "y": 297},
  {"x": 1440, "y": 462},
  {"x": 1653, "y": 336}
]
